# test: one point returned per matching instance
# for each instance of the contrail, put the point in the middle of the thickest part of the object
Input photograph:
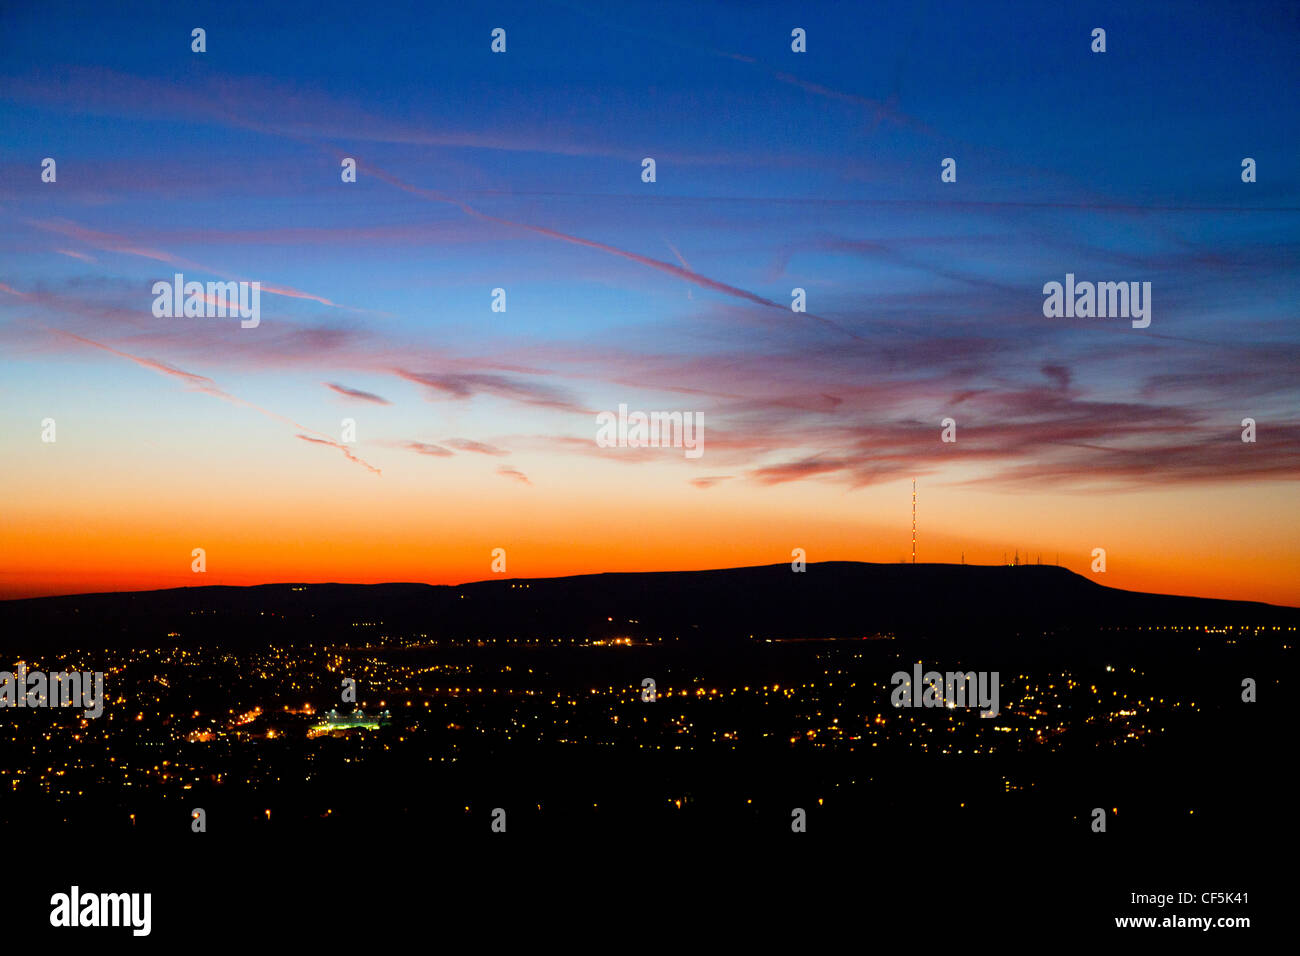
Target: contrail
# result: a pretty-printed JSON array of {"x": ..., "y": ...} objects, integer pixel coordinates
[
  {"x": 689, "y": 276},
  {"x": 111, "y": 243},
  {"x": 206, "y": 385}
]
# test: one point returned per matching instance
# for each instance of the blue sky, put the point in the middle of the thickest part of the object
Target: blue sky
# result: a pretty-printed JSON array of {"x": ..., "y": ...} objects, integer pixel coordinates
[{"x": 775, "y": 170}]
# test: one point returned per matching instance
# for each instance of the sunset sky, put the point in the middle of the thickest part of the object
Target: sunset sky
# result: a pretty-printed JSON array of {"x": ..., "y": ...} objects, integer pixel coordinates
[{"x": 775, "y": 170}]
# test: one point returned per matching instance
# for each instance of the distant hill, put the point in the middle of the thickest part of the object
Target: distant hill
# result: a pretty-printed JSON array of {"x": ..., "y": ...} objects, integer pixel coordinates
[{"x": 839, "y": 598}]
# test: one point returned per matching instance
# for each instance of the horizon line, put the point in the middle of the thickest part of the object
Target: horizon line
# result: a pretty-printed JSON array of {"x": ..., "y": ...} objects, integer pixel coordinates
[{"x": 592, "y": 574}]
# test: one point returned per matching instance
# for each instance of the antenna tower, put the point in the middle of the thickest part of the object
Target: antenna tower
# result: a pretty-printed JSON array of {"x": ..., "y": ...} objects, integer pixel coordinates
[{"x": 914, "y": 521}]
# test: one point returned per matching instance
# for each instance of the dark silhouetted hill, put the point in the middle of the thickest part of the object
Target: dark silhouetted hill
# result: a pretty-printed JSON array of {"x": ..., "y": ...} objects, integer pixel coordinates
[{"x": 832, "y": 599}]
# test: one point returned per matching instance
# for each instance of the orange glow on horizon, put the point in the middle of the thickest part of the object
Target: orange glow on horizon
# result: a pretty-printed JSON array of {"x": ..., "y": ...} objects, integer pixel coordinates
[{"x": 345, "y": 525}]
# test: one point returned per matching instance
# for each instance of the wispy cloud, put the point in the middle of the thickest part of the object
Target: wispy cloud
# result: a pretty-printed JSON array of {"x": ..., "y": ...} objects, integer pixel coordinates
[
  {"x": 666, "y": 267},
  {"x": 357, "y": 394},
  {"x": 466, "y": 444},
  {"x": 794, "y": 470},
  {"x": 119, "y": 244},
  {"x": 76, "y": 255},
  {"x": 201, "y": 383},
  {"x": 513, "y": 473},
  {"x": 347, "y": 452},
  {"x": 424, "y": 448},
  {"x": 467, "y": 385}
]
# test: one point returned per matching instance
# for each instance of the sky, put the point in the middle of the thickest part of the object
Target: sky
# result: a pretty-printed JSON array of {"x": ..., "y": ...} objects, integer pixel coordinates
[{"x": 820, "y": 170}]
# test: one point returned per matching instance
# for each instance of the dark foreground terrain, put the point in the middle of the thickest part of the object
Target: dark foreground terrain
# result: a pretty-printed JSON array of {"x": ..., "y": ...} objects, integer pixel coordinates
[{"x": 523, "y": 704}]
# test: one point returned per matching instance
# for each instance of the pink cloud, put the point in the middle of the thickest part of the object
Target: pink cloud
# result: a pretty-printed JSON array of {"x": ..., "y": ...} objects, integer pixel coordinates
[
  {"x": 119, "y": 244},
  {"x": 466, "y": 444},
  {"x": 423, "y": 448},
  {"x": 357, "y": 394},
  {"x": 347, "y": 453},
  {"x": 514, "y": 473},
  {"x": 201, "y": 383}
]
